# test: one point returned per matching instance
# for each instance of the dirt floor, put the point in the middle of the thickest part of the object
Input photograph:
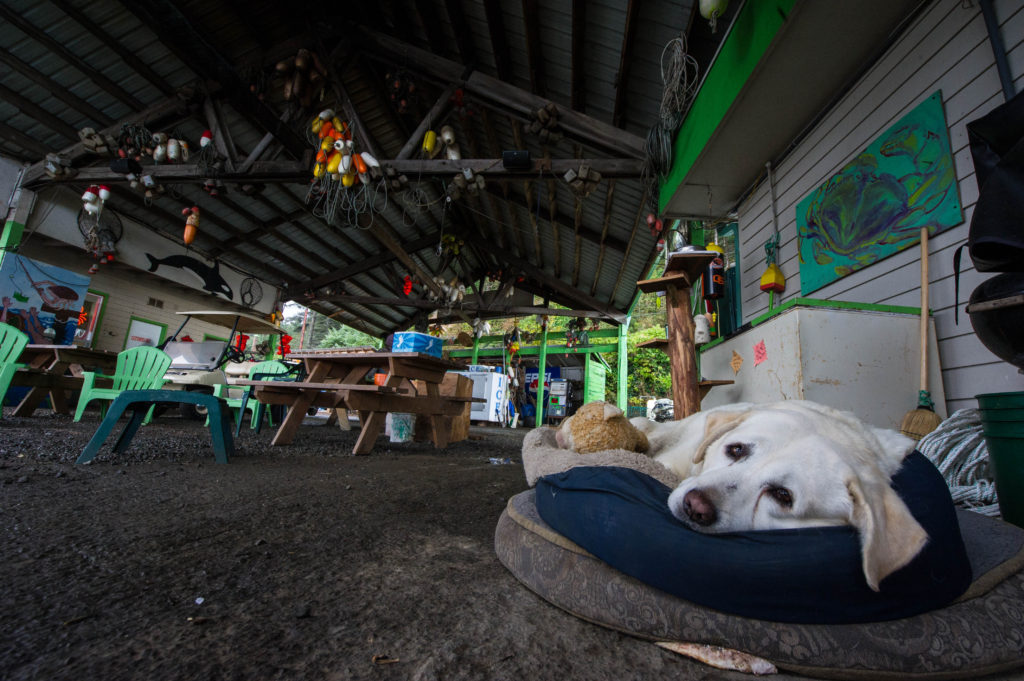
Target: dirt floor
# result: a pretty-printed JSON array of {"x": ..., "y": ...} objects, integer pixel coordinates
[{"x": 297, "y": 562}]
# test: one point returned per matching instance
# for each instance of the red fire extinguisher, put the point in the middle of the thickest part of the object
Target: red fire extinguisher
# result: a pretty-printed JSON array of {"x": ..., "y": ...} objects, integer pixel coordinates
[{"x": 713, "y": 278}]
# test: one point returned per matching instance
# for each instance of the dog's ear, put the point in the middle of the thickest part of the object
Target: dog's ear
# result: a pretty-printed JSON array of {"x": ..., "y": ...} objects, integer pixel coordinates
[
  {"x": 889, "y": 535},
  {"x": 895, "y": 447},
  {"x": 610, "y": 411},
  {"x": 717, "y": 424}
]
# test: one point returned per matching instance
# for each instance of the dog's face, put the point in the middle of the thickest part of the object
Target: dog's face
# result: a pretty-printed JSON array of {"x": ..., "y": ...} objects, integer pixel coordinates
[{"x": 796, "y": 464}]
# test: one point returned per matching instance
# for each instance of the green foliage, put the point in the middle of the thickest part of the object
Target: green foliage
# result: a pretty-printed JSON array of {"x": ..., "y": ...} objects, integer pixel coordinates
[
  {"x": 342, "y": 336},
  {"x": 649, "y": 373}
]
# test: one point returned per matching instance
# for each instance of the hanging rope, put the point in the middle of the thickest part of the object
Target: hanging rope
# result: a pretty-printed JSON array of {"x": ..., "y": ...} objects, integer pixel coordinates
[
  {"x": 679, "y": 77},
  {"x": 958, "y": 449}
]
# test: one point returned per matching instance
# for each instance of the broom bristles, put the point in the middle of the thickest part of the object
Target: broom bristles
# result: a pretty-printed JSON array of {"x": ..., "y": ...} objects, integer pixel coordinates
[{"x": 918, "y": 423}]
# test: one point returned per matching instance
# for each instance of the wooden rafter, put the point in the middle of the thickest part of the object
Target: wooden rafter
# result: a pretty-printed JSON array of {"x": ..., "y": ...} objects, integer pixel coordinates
[
  {"x": 73, "y": 60},
  {"x": 127, "y": 56},
  {"x": 463, "y": 34},
  {"x": 496, "y": 93},
  {"x": 183, "y": 40},
  {"x": 425, "y": 13},
  {"x": 41, "y": 115},
  {"x": 579, "y": 40},
  {"x": 622, "y": 76},
  {"x": 433, "y": 117},
  {"x": 632, "y": 242},
  {"x": 56, "y": 89},
  {"x": 566, "y": 294},
  {"x": 499, "y": 45},
  {"x": 30, "y": 144},
  {"x": 601, "y": 245},
  {"x": 553, "y": 217},
  {"x": 531, "y": 28},
  {"x": 162, "y": 113},
  {"x": 519, "y": 200},
  {"x": 222, "y": 140}
]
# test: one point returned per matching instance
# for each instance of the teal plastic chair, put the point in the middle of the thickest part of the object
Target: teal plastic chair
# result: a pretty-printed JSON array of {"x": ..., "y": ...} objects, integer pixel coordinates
[
  {"x": 257, "y": 372},
  {"x": 140, "y": 368},
  {"x": 12, "y": 342}
]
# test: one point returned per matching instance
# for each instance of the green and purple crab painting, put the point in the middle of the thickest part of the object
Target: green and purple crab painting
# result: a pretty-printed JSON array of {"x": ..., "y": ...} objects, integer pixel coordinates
[{"x": 877, "y": 204}]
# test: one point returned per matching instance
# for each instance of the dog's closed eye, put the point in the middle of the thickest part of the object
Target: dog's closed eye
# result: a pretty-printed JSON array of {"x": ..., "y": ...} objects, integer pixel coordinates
[{"x": 737, "y": 450}]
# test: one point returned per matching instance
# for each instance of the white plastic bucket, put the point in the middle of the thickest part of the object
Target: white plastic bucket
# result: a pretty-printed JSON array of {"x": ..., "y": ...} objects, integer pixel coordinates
[{"x": 400, "y": 427}]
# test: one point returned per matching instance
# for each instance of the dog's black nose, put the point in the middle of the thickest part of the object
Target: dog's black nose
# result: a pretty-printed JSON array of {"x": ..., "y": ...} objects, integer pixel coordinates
[{"x": 699, "y": 508}]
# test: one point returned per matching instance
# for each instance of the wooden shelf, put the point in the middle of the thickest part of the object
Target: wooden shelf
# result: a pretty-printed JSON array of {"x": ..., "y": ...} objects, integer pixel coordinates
[{"x": 682, "y": 271}]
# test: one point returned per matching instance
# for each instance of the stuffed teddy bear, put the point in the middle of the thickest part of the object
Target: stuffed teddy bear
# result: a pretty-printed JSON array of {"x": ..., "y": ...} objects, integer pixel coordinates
[{"x": 599, "y": 426}]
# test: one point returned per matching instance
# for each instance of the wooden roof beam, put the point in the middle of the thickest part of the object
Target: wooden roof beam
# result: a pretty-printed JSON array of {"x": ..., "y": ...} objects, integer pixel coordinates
[
  {"x": 579, "y": 41},
  {"x": 157, "y": 116},
  {"x": 608, "y": 200},
  {"x": 41, "y": 115},
  {"x": 531, "y": 29},
  {"x": 564, "y": 291},
  {"x": 57, "y": 90},
  {"x": 499, "y": 45},
  {"x": 498, "y": 93},
  {"x": 622, "y": 76},
  {"x": 73, "y": 60},
  {"x": 126, "y": 55},
  {"x": 463, "y": 36},
  {"x": 182, "y": 39}
]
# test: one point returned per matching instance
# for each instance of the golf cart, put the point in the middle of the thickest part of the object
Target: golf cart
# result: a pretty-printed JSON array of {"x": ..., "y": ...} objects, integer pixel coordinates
[{"x": 200, "y": 365}]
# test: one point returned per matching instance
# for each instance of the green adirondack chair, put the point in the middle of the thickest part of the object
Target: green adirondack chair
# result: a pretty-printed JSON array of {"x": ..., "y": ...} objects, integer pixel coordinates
[
  {"x": 12, "y": 342},
  {"x": 140, "y": 368},
  {"x": 259, "y": 371}
]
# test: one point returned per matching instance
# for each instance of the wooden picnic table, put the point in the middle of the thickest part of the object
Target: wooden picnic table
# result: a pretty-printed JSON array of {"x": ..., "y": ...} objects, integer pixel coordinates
[
  {"x": 46, "y": 369},
  {"x": 335, "y": 379}
]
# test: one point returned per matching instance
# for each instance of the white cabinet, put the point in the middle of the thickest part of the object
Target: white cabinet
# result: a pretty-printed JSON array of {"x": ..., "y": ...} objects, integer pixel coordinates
[{"x": 861, "y": 361}]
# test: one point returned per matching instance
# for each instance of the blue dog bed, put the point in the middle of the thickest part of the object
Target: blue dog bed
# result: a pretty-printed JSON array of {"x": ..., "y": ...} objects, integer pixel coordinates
[
  {"x": 808, "y": 575},
  {"x": 601, "y": 544}
]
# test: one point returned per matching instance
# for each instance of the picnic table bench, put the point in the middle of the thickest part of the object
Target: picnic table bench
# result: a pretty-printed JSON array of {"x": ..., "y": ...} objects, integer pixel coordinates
[{"x": 335, "y": 381}]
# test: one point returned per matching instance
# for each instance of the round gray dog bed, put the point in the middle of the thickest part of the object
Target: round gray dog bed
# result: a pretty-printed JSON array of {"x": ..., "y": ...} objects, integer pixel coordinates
[{"x": 981, "y": 633}]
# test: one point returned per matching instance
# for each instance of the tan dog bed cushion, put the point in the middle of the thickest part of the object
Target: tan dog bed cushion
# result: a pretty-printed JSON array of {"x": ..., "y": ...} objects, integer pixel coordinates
[{"x": 978, "y": 634}]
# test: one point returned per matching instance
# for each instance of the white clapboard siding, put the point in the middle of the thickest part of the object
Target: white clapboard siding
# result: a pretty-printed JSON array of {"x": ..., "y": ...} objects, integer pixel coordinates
[{"x": 946, "y": 48}]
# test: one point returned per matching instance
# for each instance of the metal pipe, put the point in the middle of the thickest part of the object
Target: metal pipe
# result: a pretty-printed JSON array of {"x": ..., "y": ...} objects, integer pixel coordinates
[{"x": 998, "y": 49}]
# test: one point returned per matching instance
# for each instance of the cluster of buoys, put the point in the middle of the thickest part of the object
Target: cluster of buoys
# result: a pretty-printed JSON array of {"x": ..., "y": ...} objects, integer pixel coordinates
[{"x": 336, "y": 157}]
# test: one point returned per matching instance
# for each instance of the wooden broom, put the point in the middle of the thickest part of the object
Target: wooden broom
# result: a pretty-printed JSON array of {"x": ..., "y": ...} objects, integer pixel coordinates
[{"x": 923, "y": 420}]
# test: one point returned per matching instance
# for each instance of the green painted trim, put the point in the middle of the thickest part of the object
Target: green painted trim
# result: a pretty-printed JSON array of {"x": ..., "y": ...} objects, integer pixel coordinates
[
  {"x": 163, "y": 329},
  {"x": 825, "y": 304},
  {"x": 476, "y": 349},
  {"x": 621, "y": 390},
  {"x": 207, "y": 337},
  {"x": 541, "y": 370},
  {"x": 10, "y": 238},
  {"x": 99, "y": 318},
  {"x": 535, "y": 351},
  {"x": 749, "y": 38}
]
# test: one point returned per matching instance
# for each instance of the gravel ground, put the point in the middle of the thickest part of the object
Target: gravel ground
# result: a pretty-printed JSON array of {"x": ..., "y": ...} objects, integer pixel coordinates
[{"x": 299, "y": 562}]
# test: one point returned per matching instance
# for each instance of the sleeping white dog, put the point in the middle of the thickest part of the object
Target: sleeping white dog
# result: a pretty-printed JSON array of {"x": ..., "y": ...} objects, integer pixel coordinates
[{"x": 786, "y": 465}]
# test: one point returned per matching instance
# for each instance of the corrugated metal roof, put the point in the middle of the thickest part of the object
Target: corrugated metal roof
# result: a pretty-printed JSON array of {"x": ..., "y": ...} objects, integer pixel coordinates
[{"x": 72, "y": 64}]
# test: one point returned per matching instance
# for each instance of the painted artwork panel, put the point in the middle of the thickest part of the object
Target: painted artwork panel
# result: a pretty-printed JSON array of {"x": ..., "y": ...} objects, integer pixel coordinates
[
  {"x": 877, "y": 204},
  {"x": 41, "y": 299}
]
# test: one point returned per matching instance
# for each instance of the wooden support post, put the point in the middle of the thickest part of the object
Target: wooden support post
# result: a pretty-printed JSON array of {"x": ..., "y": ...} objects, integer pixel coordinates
[
  {"x": 541, "y": 368},
  {"x": 681, "y": 270},
  {"x": 683, "y": 363}
]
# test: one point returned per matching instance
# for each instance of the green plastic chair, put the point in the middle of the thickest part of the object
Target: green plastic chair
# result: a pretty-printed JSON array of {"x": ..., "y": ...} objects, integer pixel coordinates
[
  {"x": 140, "y": 368},
  {"x": 12, "y": 342},
  {"x": 258, "y": 371}
]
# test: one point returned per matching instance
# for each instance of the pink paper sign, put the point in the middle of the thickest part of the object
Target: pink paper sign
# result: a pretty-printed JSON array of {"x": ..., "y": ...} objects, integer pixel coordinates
[{"x": 760, "y": 353}]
